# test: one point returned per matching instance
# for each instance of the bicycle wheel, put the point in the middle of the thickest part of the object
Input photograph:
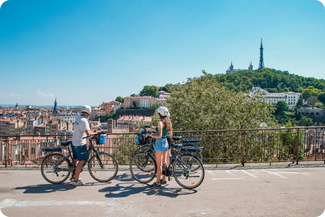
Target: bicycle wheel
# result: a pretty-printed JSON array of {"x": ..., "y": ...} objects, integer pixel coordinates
[
  {"x": 143, "y": 148},
  {"x": 55, "y": 168},
  {"x": 103, "y": 168},
  {"x": 143, "y": 167},
  {"x": 188, "y": 171}
]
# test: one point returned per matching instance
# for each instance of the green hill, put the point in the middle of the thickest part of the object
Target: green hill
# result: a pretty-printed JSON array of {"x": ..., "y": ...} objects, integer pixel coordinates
[{"x": 269, "y": 79}]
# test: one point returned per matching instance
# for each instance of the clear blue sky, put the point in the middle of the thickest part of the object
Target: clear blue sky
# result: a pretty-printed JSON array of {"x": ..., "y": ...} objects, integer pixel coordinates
[{"x": 89, "y": 52}]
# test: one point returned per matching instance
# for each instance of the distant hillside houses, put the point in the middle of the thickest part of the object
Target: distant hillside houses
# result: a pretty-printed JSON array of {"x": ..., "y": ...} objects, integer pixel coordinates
[
  {"x": 291, "y": 98},
  {"x": 136, "y": 100}
]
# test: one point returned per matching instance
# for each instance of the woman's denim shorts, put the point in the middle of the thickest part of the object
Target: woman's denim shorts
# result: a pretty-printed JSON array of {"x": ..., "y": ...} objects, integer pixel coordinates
[{"x": 161, "y": 145}]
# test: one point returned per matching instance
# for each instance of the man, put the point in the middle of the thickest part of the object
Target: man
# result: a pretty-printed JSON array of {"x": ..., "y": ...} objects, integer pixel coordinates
[{"x": 79, "y": 147}]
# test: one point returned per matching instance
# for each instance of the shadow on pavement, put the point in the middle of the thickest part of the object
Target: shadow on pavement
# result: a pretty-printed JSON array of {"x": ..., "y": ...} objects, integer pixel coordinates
[
  {"x": 127, "y": 189},
  {"x": 45, "y": 188}
]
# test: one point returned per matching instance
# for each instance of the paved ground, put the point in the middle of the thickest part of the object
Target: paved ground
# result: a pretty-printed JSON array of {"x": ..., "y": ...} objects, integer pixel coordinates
[{"x": 275, "y": 191}]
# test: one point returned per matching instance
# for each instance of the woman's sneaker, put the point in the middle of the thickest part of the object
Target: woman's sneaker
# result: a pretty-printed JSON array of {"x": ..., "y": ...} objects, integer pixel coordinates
[
  {"x": 162, "y": 182},
  {"x": 155, "y": 185},
  {"x": 77, "y": 183}
]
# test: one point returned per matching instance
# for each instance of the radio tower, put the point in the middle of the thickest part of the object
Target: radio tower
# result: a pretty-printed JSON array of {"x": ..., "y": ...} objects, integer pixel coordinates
[{"x": 261, "y": 65}]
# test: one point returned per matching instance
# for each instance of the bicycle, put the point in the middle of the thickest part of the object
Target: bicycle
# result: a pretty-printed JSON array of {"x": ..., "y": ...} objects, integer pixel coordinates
[
  {"x": 187, "y": 169},
  {"x": 144, "y": 142},
  {"x": 56, "y": 167}
]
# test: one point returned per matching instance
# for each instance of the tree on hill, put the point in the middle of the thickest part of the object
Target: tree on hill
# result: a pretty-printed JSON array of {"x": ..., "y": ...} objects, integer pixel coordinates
[
  {"x": 151, "y": 90},
  {"x": 203, "y": 104},
  {"x": 309, "y": 92},
  {"x": 281, "y": 107},
  {"x": 321, "y": 98},
  {"x": 168, "y": 88},
  {"x": 119, "y": 99}
]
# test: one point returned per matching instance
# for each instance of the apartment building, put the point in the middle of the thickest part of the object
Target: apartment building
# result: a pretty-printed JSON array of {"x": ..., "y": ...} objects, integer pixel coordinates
[
  {"x": 31, "y": 125},
  {"x": 144, "y": 101},
  {"x": 291, "y": 98},
  {"x": 10, "y": 126}
]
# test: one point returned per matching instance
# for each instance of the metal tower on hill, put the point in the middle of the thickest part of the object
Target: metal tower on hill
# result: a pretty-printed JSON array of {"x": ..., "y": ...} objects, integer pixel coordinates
[{"x": 261, "y": 65}]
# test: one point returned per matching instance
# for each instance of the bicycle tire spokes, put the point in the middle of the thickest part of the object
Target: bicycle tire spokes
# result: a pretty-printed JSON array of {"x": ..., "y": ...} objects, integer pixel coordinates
[
  {"x": 102, "y": 167},
  {"x": 55, "y": 168},
  {"x": 143, "y": 167},
  {"x": 188, "y": 171}
]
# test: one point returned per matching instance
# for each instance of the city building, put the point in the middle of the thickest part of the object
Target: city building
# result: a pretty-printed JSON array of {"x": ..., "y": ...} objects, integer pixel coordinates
[
  {"x": 291, "y": 98},
  {"x": 144, "y": 101}
]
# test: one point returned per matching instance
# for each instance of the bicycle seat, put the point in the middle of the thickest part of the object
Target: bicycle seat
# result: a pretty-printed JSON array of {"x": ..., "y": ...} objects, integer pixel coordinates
[
  {"x": 191, "y": 149},
  {"x": 173, "y": 145},
  {"x": 176, "y": 138},
  {"x": 51, "y": 149},
  {"x": 66, "y": 143},
  {"x": 191, "y": 140}
]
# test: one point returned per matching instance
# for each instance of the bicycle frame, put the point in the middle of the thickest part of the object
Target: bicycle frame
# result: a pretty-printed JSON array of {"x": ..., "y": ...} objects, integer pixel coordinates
[{"x": 57, "y": 167}]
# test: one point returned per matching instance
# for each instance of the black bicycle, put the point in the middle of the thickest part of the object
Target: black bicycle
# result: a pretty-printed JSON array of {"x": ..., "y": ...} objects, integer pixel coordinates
[
  {"x": 186, "y": 168},
  {"x": 56, "y": 167}
]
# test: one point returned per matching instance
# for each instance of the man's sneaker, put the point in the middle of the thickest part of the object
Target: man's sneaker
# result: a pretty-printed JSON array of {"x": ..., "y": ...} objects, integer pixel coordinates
[
  {"x": 155, "y": 185},
  {"x": 162, "y": 182},
  {"x": 77, "y": 183}
]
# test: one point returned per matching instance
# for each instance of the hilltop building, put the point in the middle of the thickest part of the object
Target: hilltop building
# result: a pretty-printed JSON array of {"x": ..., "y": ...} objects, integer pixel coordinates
[
  {"x": 291, "y": 98},
  {"x": 250, "y": 67}
]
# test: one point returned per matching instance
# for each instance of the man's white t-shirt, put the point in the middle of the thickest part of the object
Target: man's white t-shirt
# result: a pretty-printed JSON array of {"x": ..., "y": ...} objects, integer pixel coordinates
[{"x": 80, "y": 126}]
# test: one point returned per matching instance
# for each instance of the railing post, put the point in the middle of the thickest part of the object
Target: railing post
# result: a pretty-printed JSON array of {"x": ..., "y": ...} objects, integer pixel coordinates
[
  {"x": 243, "y": 145},
  {"x": 297, "y": 146},
  {"x": 6, "y": 152}
]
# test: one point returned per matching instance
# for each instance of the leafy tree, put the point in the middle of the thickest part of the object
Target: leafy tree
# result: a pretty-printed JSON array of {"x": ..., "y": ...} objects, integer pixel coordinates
[
  {"x": 312, "y": 101},
  {"x": 321, "y": 98},
  {"x": 203, "y": 104},
  {"x": 300, "y": 102},
  {"x": 168, "y": 88},
  {"x": 135, "y": 103},
  {"x": 149, "y": 91},
  {"x": 119, "y": 99},
  {"x": 281, "y": 106},
  {"x": 305, "y": 121},
  {"x": 310, "y": 91}
]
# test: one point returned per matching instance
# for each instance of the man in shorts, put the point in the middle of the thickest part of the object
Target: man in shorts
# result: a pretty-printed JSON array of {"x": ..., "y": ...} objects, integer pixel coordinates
[{"x": 79, "y": 147}]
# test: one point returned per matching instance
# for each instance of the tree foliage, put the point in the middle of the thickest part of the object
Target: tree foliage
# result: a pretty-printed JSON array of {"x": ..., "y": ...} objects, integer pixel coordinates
[
  {"x": 271, "y": 80},
  {"x": 151, "y": 90},
  {"x": 168, "y": 88},
  {"x": 321, "y": 97},
  {"x": 281, "y": 106},
  {"x": 310, "y": 91},
  {"x": 203, "y": 104},
  {"x": 119, "y": 99}
]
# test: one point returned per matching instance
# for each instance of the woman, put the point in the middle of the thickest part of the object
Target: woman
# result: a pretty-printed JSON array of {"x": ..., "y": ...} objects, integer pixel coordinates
[{"x": 163, "y": 130}]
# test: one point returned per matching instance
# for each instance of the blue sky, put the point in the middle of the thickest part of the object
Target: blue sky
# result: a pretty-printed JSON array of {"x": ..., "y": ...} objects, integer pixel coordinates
[{"x": 89, "y": 52}]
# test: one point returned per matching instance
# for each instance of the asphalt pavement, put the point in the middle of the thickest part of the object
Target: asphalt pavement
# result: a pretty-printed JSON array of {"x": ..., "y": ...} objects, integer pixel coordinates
[{"x": 295, "y": 191}]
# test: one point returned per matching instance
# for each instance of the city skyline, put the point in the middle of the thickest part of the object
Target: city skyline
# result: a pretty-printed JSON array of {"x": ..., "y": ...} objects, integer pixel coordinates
[{"x": 86, "y": 52}]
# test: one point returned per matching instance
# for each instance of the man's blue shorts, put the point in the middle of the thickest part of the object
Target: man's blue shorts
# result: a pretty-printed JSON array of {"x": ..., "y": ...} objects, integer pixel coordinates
[
  {"x": 80, "y": 152},
  {"x": 161, "y": 145}
]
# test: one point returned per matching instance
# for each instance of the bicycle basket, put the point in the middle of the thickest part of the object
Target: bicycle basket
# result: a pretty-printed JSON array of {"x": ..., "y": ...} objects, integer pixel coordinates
[
  {"x": 140, "y": 139},
  {"x": 101, "y": 138}
]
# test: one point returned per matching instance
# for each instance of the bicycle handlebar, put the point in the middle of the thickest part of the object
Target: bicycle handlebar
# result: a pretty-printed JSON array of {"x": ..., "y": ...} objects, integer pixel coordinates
[{"x": 94, "y": 135}]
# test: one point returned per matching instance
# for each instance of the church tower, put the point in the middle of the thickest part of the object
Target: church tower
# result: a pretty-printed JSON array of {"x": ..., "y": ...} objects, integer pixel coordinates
[
  {"x": 55, "y": 109},
  {"x": 261, "y": 65},
  {"x": 231, "y": 69},
  {"x": 250, "y": 67}
]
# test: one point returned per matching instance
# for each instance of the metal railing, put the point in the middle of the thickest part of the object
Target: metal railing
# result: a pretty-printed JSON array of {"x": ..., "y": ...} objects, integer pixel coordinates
[{"x": 220, "y": 146}]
